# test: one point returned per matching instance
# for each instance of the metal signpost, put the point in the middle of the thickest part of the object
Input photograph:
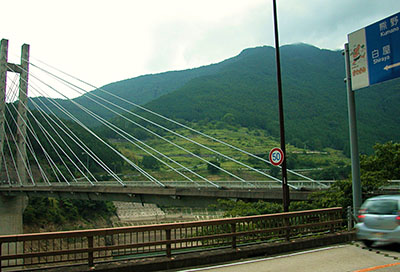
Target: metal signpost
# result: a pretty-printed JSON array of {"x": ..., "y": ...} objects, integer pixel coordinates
[{"x": 372, "y": 56}]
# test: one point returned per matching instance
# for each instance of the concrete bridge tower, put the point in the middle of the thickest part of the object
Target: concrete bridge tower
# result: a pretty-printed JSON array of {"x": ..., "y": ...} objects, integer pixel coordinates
[{"x": 12, "y": 207}]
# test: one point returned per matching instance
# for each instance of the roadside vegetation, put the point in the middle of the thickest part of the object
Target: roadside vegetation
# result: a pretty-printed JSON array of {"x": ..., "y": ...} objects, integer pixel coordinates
[{"x": 376, "y": 170}]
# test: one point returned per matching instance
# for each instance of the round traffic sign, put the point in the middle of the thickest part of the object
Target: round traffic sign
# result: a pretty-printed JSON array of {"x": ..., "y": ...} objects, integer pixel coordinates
[{"x": 276, "y": 156}]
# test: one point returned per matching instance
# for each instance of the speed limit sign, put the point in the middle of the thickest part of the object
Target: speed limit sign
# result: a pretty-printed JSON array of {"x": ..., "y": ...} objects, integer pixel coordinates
[{"x": 276, "y": 156}]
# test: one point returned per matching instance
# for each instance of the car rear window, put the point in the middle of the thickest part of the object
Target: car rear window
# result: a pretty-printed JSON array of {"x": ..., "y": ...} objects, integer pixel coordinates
[{"x": 382, "y": 206}]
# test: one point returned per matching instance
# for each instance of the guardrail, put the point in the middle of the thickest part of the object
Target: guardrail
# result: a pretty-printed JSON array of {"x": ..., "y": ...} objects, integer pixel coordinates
[
  {"x": 41, "y": 250},
  {"x": 309, "y": 184}
]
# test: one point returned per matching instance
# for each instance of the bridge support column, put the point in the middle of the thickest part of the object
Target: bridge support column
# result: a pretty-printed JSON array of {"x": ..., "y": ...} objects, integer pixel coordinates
[
  {"x": 11, "y": 213},
  {"x": 11, "y": 222}
]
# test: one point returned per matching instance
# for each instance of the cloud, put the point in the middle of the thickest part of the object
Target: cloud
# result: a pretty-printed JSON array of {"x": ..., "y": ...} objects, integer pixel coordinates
[
  {"x": 327, "y": 23},
  {"x": 104, "y": 41}
]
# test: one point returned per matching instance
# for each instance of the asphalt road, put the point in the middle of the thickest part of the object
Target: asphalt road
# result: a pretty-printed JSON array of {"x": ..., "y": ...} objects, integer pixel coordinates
[{"x": 349, "y": 257}]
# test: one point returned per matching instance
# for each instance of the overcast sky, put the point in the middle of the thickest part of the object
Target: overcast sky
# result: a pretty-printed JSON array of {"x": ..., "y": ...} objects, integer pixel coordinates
[{"x": 106, "y": 41}]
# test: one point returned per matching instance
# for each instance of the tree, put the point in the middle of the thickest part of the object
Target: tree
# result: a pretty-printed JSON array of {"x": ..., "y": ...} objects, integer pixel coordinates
[
  {"x": 376, "y": 170},
  {"x": 232, "y": 208},
  {"x": 150, "y": 162},
  {"x": 385, "y": 160},
  {"x": 211, "y": 168},
  {"x": 229, "y": 118}
]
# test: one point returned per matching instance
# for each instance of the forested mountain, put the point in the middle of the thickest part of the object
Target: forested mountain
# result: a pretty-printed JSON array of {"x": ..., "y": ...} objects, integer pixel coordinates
[
  {"x": 242, "y": 90},
  {"x": 139, "y": 90},
  {"x": 314, "y": 94}
]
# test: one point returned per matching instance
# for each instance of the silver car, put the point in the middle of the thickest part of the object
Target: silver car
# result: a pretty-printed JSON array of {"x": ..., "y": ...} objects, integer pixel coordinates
[{"x": 379, "y": 220}]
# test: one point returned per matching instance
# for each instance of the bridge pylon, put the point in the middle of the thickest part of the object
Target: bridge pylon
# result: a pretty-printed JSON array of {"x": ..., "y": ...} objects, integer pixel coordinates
[{"x": 12, "y": 208}]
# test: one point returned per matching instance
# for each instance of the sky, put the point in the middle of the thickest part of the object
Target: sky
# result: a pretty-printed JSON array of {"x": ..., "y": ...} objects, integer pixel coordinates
[{"x": 103, "y": 41}]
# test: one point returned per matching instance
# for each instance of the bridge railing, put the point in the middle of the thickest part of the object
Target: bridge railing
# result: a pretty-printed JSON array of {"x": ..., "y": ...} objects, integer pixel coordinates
[{"x": 105, "y": 245}]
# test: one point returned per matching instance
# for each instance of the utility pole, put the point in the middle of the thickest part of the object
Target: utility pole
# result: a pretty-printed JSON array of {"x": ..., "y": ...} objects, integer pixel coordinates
[{"x": 285, "y": 187}]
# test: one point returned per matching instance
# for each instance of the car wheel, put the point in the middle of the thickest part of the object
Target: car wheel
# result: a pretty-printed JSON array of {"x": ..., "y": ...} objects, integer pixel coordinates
[{"x": 367, "y": 243}]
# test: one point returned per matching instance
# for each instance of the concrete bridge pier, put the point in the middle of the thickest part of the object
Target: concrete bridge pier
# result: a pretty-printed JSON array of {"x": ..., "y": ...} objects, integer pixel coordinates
[
  {"x": 11, "y": 214},
  {"x": 11, "y": 222}
]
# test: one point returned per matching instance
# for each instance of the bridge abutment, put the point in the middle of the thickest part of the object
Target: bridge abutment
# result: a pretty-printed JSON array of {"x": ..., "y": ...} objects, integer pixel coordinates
[{"x": 11, "y": 214}]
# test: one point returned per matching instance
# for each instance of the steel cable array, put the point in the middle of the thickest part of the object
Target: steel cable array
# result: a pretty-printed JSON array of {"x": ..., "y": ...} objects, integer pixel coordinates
[{"x": 67, "y": 156}]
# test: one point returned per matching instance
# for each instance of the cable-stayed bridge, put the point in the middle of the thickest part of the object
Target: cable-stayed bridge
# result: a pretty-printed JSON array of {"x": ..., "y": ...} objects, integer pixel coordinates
[{"x": 48, "y": 147}]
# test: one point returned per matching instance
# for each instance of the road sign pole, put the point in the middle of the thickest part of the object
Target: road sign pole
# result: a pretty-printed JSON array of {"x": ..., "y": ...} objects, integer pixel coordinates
[
  {"x": 285, "y": 187},
  {"x": 355, "y": 159}
]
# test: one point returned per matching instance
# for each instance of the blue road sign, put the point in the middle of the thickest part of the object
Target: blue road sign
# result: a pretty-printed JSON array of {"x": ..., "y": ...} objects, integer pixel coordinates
[{"x": 375, "y": 52}]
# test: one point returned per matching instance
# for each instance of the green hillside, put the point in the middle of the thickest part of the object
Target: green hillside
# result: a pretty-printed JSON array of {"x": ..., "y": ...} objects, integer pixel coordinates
[
  {"x": 315, "y": 102},
  {"x": 139, "y": 90},
  {"x": 242, "y": 90}
]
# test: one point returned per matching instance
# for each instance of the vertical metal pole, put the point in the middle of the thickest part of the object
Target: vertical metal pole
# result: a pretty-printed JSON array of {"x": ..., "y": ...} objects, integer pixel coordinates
[
  {"x": 285, "y": 187},
  {"x": 349, "y": 219},
  {"x": 168, "y": 245},
  {"x": 3, "y": 84},
  {"x": 22, "y": 116},
  {"x": 234, "y": 239},
  {"x": 355, "y": 159},
  {"x": 90, "y": 251}
]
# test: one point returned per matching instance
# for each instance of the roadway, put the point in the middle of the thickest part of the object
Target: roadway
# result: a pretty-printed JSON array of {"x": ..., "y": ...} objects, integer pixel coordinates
[{"x": 348, "y": 257}]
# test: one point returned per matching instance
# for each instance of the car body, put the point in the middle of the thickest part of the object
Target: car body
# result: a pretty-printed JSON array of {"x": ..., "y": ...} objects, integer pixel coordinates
[{"x": 379, "y": 220}]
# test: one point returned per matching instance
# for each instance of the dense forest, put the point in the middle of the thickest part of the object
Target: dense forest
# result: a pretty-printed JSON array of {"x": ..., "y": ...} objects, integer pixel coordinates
[
  {"x": 242, "y": 90},
  {"x": 315, "y": 104}
]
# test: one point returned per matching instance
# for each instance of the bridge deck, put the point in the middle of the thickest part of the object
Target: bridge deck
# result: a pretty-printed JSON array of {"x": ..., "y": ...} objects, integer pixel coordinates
[{"x": 187, "y": 196}]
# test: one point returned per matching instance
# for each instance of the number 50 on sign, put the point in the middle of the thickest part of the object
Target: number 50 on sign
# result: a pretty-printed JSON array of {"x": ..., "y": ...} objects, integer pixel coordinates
[{"x": 276, "y": 156}]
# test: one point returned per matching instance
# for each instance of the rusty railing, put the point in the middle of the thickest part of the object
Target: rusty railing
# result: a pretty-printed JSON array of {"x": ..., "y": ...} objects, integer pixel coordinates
[{"x": 104, "y": 245}]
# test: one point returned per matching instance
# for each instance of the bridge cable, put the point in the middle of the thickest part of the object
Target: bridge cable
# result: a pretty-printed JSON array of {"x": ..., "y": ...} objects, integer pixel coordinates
[
  {"x": 104, "y": 121},
  {"x": 150, "y": 131},
  {"x": 15, "y": 143},
  {"x": 29, "y": 144},
  {"x": 70, "y": 134},
  {"x": 179, "y": 124},
  {"x": 77, "y": 141},
  {"x": 30, "y": 147},
  {"x": 130, "y": 162},
  {"x": 10, "y": 96},
  {"x": 10, "y": 150},
  {"x": 48, "y": 136},
  {"x": 6, "y": 168},
  {"x": 12, "y": 156},
  {"x": 98, "y": 118},
  {"x": 214, "y": 151},
  {"x": 80, "y": 144},
  {"x": 101, "y": 140},
  {"x": 115, "y": 127},
  {"x": 46, "y": 117},
  {"x": 128, "y": 137}
]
